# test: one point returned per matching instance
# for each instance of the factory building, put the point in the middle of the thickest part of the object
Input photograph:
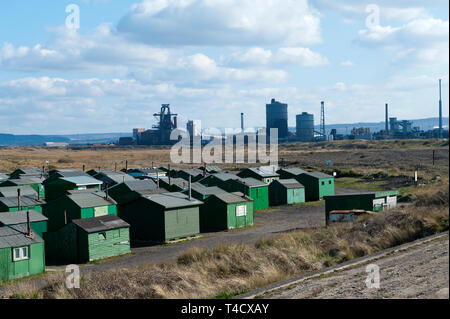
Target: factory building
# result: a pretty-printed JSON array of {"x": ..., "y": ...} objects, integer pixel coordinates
[
  {"x": 160, "y": 133},
  {"x": 277, "y": 117},
  {"x": 305, "y": 127}
]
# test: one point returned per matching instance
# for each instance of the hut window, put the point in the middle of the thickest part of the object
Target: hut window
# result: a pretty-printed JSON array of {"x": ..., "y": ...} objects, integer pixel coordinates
[
  {"x": 329, "y": 182},
  {"x": 323, "y": 183},
  {"x": 241, "y": 210},
  {"x": 21, "y": 253},
  {"x": 102, "y": 236}
]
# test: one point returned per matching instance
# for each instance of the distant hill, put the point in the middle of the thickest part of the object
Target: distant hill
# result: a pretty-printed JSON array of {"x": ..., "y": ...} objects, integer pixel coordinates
[
  {"x": 37, "y": 140},
  {"x": 20, "y": 140},
  {"x": 101, "y": 138}
]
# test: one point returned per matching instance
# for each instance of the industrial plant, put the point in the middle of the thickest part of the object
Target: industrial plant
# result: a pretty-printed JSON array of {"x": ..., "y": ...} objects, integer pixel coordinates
[{"x": 277, "y": 118}]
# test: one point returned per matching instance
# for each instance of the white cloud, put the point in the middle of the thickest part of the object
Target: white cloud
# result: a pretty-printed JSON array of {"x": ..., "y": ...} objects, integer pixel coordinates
[
  {"x": 347, "y": 64},
  {"x": 223, "y": 22},
  {"x": 303, "y": 57}
]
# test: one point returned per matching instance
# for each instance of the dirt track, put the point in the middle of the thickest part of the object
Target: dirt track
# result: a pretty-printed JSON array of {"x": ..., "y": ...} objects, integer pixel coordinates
[{"x": 418, "y": 272}]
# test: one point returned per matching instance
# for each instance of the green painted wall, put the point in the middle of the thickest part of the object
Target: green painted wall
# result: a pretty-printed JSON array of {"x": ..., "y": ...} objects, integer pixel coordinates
[
  {"x": 6, "y": 209},
  {"x": 182, "y": 222},
  {"x": 71, "y": 244},
  {"x": 316, "y": 188},
  {"x": 279, "y": 195},
  {"x": 10, "y": 269},
  {"x": 152, "y": 222},
  {"x": 57, "y": 188},
  {"x": 117, "y": 242},
  {"x": 215, "y": 215},
  {"x": 348, "y": 202},
  {"x": 54, "y": 211}
]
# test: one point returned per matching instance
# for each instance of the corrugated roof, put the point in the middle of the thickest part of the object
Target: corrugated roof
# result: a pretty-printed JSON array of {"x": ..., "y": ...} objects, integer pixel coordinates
[
  {"x": 141, "y": 185},
  {"x": 98, "y": 224},
  {"x": 224, "y": 176},
  {"x": 318, "y": 174},
  {"x": 82, "y": 180},
  {"x": 27, "y": 171},
  {"x": 114, "y": 177},
  {"x": 20, "y": 217},
  {"x": 15, "y": 236},
  {"x": 230, "y": 198},
  {"x": 203, "y": 190},
  {"x": 3, "y": 177},
  {"x": 211, "y": 168},
  {"x": 24, "y": 201},
  {"x": 251, "y": 182},
  {"x": 26, "y": 180},
  {"x": 91, "y": 199},
  {"x": 192, "y": 171},
  {"x": 93, "y": 172},
  {"x": 11, "y": 191},
  {"x": 294, "y": 171},
  {"x": 172, "y": 200},
  {"x": 264, "y": 171},
  {"x": 67, "y": 173},
  {"x": 289, "y": 183}
]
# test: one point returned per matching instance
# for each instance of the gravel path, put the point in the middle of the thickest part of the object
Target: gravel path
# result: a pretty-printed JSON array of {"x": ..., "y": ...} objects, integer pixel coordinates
[{"x": 419, "y": 272}]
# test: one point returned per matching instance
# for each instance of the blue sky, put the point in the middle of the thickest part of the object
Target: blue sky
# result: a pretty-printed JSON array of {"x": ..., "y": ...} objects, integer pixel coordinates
[{"x": 212, "y": 59}]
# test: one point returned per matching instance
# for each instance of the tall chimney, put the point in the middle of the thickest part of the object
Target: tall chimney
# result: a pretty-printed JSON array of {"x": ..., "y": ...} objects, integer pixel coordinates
[
  {"x": 242, "y": 122},
  {"x": 387, "y": 119},
  {"x": 440, "y": 109},
  {"x": 29, "y": 233},
  {"x": 157, "y": 179},
  {"x": 84, "y": 168},
  {"x": 65, "y": 217},
  {"x": 175, "y": 122},
  {"x": 126, "y": 166},
  {"x": 168, "y": 172},
  {"x": 190, "y": 188},
  {"x": 18, "y": 200}
]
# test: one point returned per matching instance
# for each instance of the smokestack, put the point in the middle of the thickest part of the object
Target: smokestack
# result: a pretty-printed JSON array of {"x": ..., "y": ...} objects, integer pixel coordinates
[
  {"x": 168, "y": 172},
  {"x": 242, "y": 122},
  {"x": 84, "y": 168},
  {"x": 387, "y": 119},
  {"x": 157, "y": 179},
  {"x": 440, "y": 109},
  {"x": 190, "y": 188},
  {"x": 175, "y": 122},
  {"x": 18, "y": 199},
  {"x": 29, "y": 232},
  {"x": 126, "y": 166},
  {"x": 65, "y": 217}
]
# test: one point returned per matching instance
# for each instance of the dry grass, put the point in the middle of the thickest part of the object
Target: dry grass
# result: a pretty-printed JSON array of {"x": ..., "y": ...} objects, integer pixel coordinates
[{"x": 230, "y": 268}]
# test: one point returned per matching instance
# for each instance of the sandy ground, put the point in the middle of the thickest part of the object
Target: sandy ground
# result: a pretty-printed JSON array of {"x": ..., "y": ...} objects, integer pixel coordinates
[{"x": 419, "y": 272}]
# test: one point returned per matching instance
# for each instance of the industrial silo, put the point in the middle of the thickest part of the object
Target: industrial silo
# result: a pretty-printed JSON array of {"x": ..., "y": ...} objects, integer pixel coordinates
[
  {"x": 305, "y": 127},
  {"x": 277, "y": 117}
]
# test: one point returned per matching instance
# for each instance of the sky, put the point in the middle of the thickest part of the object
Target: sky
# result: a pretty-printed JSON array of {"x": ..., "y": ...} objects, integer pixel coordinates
[{"x": 213, "y": 59}]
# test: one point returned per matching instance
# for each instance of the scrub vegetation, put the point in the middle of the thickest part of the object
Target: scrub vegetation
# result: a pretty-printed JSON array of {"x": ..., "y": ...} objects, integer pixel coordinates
[{"x": 229, "y": 269}]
